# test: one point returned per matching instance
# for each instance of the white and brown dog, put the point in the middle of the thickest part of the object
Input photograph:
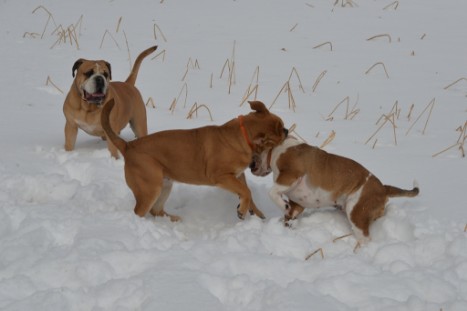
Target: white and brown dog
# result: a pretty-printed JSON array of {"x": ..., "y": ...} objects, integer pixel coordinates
[
  {"x": 91, "y": 90},
  {"x": 311, "y": 178}
]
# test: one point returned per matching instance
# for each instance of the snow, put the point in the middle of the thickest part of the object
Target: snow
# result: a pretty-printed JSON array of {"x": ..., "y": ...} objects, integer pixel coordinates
[{"x": 69, "y": 239}]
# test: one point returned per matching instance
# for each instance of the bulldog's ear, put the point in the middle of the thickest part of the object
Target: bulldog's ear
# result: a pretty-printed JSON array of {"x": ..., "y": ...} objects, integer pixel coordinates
[
  {"x": 258, "y": 106},
  {"x": 78, "y": 63},
  {"x": 110, "y": 70}
]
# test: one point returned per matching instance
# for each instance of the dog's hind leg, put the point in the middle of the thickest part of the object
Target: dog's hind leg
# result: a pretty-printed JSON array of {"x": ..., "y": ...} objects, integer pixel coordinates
[
  {"x": 145, "y": 178},
  {"x": 157, "y": 209}
]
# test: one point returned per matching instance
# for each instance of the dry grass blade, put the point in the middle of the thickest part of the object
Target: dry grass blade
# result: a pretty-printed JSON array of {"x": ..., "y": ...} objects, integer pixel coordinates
[
  {"x": 341, "y": 237},
  {"x": 349, "y": 113},
  {"x": 328, "y": 140},
  {"x": 128, "y": 49},
  {"x": 320, "y": 250},
  {"x": 376, "y": 64},
  {"x": 430, "y": 105},
  {"x": 293, "y": 28},
  {"x": 318, "y": 80},
  {"x": 194, "y": 110},
  {"x": 409, "y": 115},
  {"x": 460, "y": 141},
  {"x": 380, "y": 36},
  {"x": 49, "y": 81},
  {"x": 393, "y": 5},
  {"x": 151, "y": 102},
  {"x": 300, "y": 85},
  {"x": 106, "y": 32},
  {"x": 286, "y": 89},
  {"x": 455, "y": 82},
  {"x": 159, "y": 54},
  {"x": 248, "y": 93},
  {"x": 292, "y": 129},
  {"x": 156, "y": 29},
  {"x": 386, "y": 119},
  {"x": 323, "y": 44},
  {"x": 118, "y": 24},
  {"x": 50, "y": 18}
]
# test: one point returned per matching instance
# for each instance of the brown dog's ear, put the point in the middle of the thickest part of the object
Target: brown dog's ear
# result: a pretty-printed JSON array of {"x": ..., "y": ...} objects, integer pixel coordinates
[
  {"x": 78, "y": 63},
  {"x": 258, "y": 106},
  {"x": 110, "y": 70}
]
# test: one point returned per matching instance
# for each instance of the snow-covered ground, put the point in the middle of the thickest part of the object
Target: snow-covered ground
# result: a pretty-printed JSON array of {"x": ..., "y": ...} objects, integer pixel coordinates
[{"x": 69, "y": 239}]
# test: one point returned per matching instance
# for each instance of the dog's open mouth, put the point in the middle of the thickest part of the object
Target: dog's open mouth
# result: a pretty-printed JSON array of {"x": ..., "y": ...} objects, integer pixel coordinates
[
  {"x": 94, "y": 98},
  {"x": 255, "y": 167}
]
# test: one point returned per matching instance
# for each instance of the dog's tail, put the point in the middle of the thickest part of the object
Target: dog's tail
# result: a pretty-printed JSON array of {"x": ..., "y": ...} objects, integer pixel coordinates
[
  {"x": 392, "y": 191},
  {"x": 121, "y": 144},
  {"x": 134, "y": 71}
]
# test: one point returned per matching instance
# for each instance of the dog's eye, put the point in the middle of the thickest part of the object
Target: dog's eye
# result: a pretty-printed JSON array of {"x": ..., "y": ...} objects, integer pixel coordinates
[
  {"x": 106, "y": 75},
  {"x": 89, "y": 73}
]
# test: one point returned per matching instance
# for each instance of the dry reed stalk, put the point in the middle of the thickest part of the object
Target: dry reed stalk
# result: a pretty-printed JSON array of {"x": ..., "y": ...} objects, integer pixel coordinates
[
  {"x": 49, "y": 81},
  {"x": 318, "y": 80},
  {"x": 118, "y": 24},
  {"x": 78, "y": 24},
  {"x": 341, "y": 237},
  {"x": 293, "y": 28},
  {"x": 300, "y": 85},
  {"x": 455, "y": 82},
  {"x": 159, "y": 54},
  {"x": 323, "y": 44},
  {"x": 330, "y": 117},
  {"x": 328, "y": 140},
  {"x": 394, "y": 4},
  {"x": 194, "y": 109},
  {"x": 460, "y": 141},
  {"x": 112, "y": 37},
  {"x": 50, "y": 18},
  {"x": 344, "y": 3},
  {"x": 430, "y": 105},
  {"x": 357, "y": 246},
  {"x": 423, "y": 36},
  {"x": 310, "y": 5},
  {"x": 157, "y": 28},
  {"x": 151, "y": 101},
  {"x": 320, "y": 250},
  {"x": 374, "y": 144},
  {"x": 380, "y": 36},
  {"x": 210, "y": 83},
  {"x": 381, "y": 64}
]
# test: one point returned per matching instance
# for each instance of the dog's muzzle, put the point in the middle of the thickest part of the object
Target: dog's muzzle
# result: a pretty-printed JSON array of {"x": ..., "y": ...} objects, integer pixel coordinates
[{"x": 95, "y": 90}]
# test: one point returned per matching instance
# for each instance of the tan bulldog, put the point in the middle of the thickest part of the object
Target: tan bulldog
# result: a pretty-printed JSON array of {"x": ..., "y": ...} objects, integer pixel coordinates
[
  {"x": 210, "y": 155},
  {"x": 311, "y": 178},
  {"x": 91, "y": 90}
]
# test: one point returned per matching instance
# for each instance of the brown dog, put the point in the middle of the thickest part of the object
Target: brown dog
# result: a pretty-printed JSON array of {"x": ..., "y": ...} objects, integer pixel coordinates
[
  {"x": 312, "y": 178},
  {"x": 210, "y": 155},
  {"x": 91, "y": 90}
]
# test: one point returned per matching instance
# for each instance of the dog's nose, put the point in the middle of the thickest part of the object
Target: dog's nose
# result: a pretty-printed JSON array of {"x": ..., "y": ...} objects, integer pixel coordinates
[
  {"x": 100, "y": 82},
  {"x": 286, "y": 132}
]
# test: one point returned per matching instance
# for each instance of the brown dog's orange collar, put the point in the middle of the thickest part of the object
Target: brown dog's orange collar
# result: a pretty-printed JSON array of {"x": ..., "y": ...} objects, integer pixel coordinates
[{"x": 244, "y": 132}]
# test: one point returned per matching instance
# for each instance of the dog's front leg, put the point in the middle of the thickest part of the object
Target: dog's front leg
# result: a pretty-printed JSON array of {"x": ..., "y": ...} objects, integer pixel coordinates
[
  {"x": 233, "y": 184},
  {"x": 276, "y": 195},
  {"x": 253, "y": 209},
  {"x": 71, "y": 132}
]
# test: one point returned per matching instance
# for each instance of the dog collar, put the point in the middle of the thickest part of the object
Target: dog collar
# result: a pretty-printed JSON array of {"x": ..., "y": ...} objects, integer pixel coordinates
[{"x": 244, "y": 132}]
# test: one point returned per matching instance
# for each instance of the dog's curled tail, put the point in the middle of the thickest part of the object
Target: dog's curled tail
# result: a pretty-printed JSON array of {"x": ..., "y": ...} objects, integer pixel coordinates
[
  {"x": 134, "y": 71},
  {"x": 392, "y": 191},
  {"x": 121, "y": 144}
]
